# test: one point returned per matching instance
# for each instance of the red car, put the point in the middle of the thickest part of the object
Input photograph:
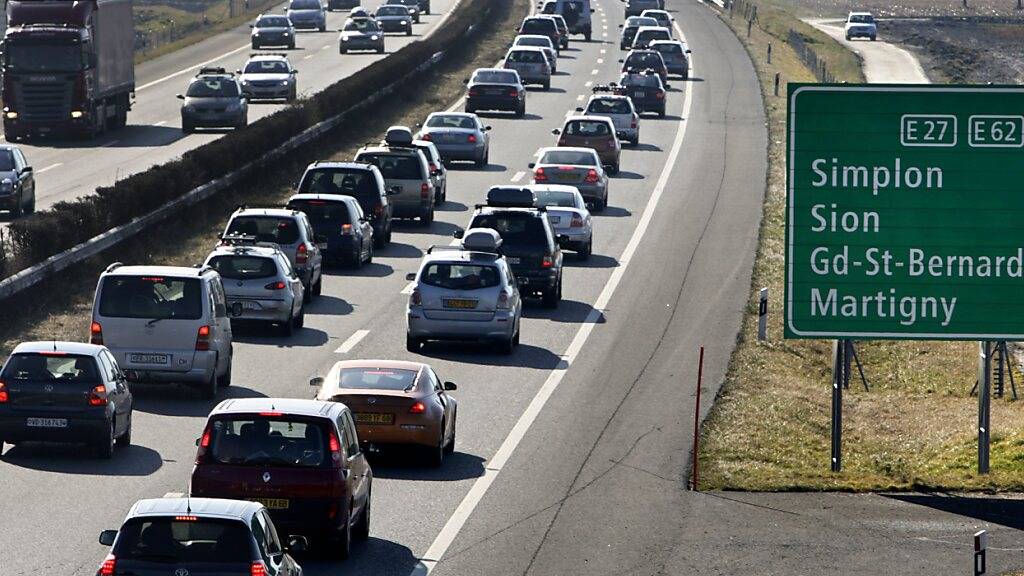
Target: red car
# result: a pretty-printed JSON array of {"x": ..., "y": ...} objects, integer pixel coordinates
[{"x": 299, "y": 458}]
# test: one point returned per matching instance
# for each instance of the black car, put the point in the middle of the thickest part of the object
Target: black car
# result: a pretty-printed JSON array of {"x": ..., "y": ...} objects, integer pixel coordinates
[
  {"x": 339, "y": 225},
  {"x": 17, "y": 184},
  {"x": 542, "y": 26},
  {"x": 528, "y": 242},
  {"x": 341, "y": 4},
  {"x": 645, "y": 90},
  {"x": 65, "y": 392},
  {"x": 201, "y": 536},
  {"x": 642, "y": 60},
  {"x": 496, "y": 89},
  {"x": 425, "y": 6},
  {"x": 361, "y": 181}
]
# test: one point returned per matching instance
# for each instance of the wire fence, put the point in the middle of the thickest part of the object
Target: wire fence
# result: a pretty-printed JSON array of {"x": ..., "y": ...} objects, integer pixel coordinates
[{"x": 810, "y": 58}]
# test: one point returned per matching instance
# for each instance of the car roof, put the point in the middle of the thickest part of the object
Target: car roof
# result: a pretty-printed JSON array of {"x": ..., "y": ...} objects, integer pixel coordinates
[
  {"x": 401, "y": 150},
  {"x": 78, "y": 348},
  {"x": 324, "y": 197},
  {"x": 533, "y": 36},
  {"x": 201, "y": 507},
  {"x": 248, "y": 250},
  {"x": 268, "y": 58},
  {"x": 346, "y": 165},
  {"x": 547, "y": 149},
  {"x": 278, "y": 212},
  {"x": 608, "y": 97},
  {"x": 586, "y": 118},
  {"x": 663, "y": 42},
  {"x": 468, "y": 255},
  {"x": 287, "y": 406},
  {"x": 175, "y": 271},
  {"x": 526, "y": 49},
  {"x": 553, "y": 188},
  {"x": 860, "y": 13},
  {"x": 376, "y": 363},
  {"x": 459, "y": 114}
]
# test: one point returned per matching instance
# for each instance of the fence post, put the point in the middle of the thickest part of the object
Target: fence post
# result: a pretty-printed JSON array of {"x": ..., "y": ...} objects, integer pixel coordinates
[
  {"x": 776, "y": 83},
  {"x": 769, "y": 52},
  {"x": 749, "y": 24}
]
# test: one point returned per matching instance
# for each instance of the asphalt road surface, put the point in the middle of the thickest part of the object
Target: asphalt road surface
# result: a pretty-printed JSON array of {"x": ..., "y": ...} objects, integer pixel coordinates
[
  {"x": 571, "y": 452},
  {"x": 882, "y": 61}
]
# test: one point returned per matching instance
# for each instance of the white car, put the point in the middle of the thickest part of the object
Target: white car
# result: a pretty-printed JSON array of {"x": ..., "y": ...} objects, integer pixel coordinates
[
  {"x": 861, "y": 25},
  {"x": 621, "y": 112},
  {"x": 569, "y": 217},
  {"x": 268, "y": 77},
  {"x": 542, "y": 42}
]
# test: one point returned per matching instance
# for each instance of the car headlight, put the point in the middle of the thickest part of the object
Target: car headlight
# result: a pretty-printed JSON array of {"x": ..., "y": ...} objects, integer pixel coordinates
[
  {"x": 286, "y": 34},
  {"x": 245, "y": 82},
  {"x": 404, "y": 22},
  {"x": 7, "y": 184},
  {"x": 374, "y": 37},
  {"x": 344, "y": 38},
  {"x": 285, "y": 82}
]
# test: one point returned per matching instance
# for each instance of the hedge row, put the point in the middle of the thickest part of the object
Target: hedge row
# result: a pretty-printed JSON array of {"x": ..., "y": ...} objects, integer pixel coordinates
[{"x": 67, "y": 224}]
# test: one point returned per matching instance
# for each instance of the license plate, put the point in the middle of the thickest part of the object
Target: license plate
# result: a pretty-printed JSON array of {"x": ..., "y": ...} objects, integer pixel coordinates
[
  {"x": 245, "y": 304},
  {"x": 638, "y": 94},
  {"x": 273, "y": 503},
  {"x": 522, "y": 281},
  {"x": 512, "y": 260},
  {"x": 459, "y": 303},
  {"x": 148, "y": 358},
  {"x": 47, "y": 423},
  {"x": 555, "y": 219},
  {"x": 495, "y": 91},
  {"x": 374, "y": 418}
]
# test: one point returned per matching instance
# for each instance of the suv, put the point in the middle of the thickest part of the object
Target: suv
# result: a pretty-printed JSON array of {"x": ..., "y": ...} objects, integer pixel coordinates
[
  {"x": 531, "y": 64},
  {"x": 528, "y": 242},
  {"x": 496, "y": 89},
  {"x": 340, "y": 222},
  {"x": 595, "y": 132},
  {"x": 17, "y": 182},
  {"x": 299, "y": 458},
  {"x": 576, "y": 14},
  {"x": 259, "y": 283},
  {"x": 563, "y": 29},
  {"x": 165, "y": 324},
  {"x": 465, "y": 292},
  {"x": 408, "y": 179},
  {"x": 861, "y": 25},
  {"x": 293, "y": 234},
  {"x": 214, "y": 99},
  {"x": 268, "y": 77},
  {"x": 307, "y": 14},
  {"x": 637, "y": 7},
  {"x": 65, "y": 392},
  {"x": 272, "y": 30},
  {"x": 361, "y": 181},
  {"x": 173, "y": 535},
  {"x": 543, "y": 26},
  {"x": 620, "y": 110}
]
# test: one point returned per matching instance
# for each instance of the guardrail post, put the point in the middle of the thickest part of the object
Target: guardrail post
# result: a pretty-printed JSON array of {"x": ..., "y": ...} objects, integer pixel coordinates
[{"x": 776, "y": 83}]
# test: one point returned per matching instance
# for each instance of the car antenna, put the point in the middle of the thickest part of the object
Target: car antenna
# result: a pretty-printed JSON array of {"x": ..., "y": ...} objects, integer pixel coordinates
[
  {"x": 54, "y": 345},
  {"x": 188, "y": 506}
]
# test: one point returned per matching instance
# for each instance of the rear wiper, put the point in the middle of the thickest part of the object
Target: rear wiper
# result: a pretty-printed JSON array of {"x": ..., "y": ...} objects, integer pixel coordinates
[{"x": 155, "y": 320}]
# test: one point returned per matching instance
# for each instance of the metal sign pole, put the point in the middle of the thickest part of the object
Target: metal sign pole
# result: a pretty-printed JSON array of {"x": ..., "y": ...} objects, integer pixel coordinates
[
  {"x": 984, "y": 404},
  {"x": 838, "y": 366},
  {"x": 762, "y": 315}
]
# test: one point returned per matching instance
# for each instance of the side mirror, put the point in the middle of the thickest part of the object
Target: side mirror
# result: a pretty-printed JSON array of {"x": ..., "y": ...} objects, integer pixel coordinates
[
  {"x": 579, "y": 109},
  {"x": 107, "y": 537},
  {"x": 436, "y": 172},
  {"x": 197, "y": 441},
  {"x": 26, "y": 169},
  {"x": 531, "y": 165},
  {"x": 373, "y": 14},
  {"x": 591, "y": 10},
  {"x": 252, "y": 25},
  {"x": 411, "y": 277},
  {"x": 297, "y": 543},
  {"x": 458, "y": 234},
  {"x": 688, "y": 51},
  {"x": 486, "y": 128},
  {"x": 667, "y": 86},
  {"x": 613, "y": 84},
  {"x": 239, "y": 72},
  {"x": 562, "y": 239},
  {"x": 556, "y": 131},
  {"x": 179, "y": 96},
  {"x": 621, "y": 61},
  {"x": 394, "y": 190},
  {"x": 236, "y": 309},
  {"x": 450, "y": 386},
  {"x": 316, "y": 382},
  {"x": 620, "y": 25}
]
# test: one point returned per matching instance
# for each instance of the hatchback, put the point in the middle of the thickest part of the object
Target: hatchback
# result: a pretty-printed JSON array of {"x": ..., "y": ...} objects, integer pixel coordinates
[
  {"x": 647, "y": 34},
  {"x": 457, "y": 136},
  {"x": 496, "y": 89},
  {"x": 307, "y": 14},
  {"x": 579, "y": 167},
  {"x": 638, "y": 61},
  {"x": 542, "y": 26},
  {"x": 568, "y": 214},
  {"x": 394, "y": 18},
  {"x": 438, "y": 172},
  {"x": 531, "y": 64},
  {"x": 361, "y": 33},
  {"x": 338, "y": 220},
  {"x": 629, "y": 29},
  {"x": 542, "y": 42},
  {"x": 359, "y": 180},
  {"x": 619, "y": 109},
  {"x": 214, "y": 99},
  {"x": 268, "y": 77},
  {"x": 413, "y": 6},
  {"x": 646, "y": 90},
  {"x": 17, "y": 182},
  {"x": 292, "y": 232},
  {"x": 65, "y": 392},
  {"x": 597, "y": 132},
  {"x": 299, "y": 458},
  {"x": 664, "y": 18},
  {"x": 272, "y": 30},
  {"x": 674, "y": 53},
  {"x": 407, "y": 177}
]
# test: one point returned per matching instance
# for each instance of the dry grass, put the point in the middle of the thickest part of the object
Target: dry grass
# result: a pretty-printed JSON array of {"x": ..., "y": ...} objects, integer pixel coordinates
[
  {"x": 184, "y": 28},
  {"x": 839, "y": 8},
  {"x": 769, "y": 428}
]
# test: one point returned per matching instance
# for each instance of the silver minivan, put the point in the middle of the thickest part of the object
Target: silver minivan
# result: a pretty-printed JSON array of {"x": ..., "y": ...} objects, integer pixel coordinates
[
  {"x": 292, "y": 232},
  {"x": 531, "y": 63},
  {"x": 407, "y": 176},
  {"x": 165, "y": 324}
]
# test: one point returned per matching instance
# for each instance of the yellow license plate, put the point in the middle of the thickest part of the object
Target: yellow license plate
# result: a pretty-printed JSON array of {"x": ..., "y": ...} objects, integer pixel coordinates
[
  {"x": 273, "y": 503},
  {"x": 374, "y": 418},
  {"x": 462, "y": 304}
]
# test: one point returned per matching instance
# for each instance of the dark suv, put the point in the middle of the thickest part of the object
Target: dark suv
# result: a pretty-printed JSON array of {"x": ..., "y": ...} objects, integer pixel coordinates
[
  {"x": 299, "y": 458},
  {"x": 542, "y": 26},
  {"x": 359, "y": 180},
  {"x": 528, "y": 242}
]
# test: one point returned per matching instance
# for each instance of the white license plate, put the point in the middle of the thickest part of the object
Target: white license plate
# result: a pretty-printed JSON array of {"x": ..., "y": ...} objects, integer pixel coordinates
[
  {"x": 322, "y": 245},
  {"x": 47, "y": 423},
  {"x": 512, "y": 260},
  {"x": 148, "y": 358},
  {"x": 638, "y": 94},
  {"x": 246, "y": 305}
]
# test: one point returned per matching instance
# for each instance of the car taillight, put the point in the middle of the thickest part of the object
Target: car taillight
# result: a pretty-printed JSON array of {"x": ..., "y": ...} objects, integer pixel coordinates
[
  {"x": 4, "y": 397},
  {"x": 203, "y": 338},
  {"x": 335, "y": 446},
  {"x": 109, "y": 566},
  {"x": 577, "y": 221},
  {"x": 98, "y": 396},
  {"x": 433, "y": 167},
  {"x": 279, "y": 285},
  {"x": 424, "y": 190},
  {"x": 301, "y": 254},
  {"x": 659, "y": 95},
  {"x": 473, "y": 92},
  {"x": 503, "y": 301},
  {"x": 204, "y": 444},
  {"x": 425, "y": 137},
  {"x": 591, "y": 176},
  {"x": 632, "y": 123},
  {"x": 346, "y": 229},
  {"x": 547, "y": 262},
  {"x": 96, "y": 333},
  {"x": 257, "y": 569},
  {"x": 539, "y": 176},
  {"x": 513, "y": 93},
  {"x": 417, "y": 408},
  {"x": 471, "y": 138},
  {"x": 416, "y": 299}
]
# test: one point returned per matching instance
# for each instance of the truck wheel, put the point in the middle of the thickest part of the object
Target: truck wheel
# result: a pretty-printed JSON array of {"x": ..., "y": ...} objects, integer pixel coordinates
[
  {"x": 428, "y": 218},
  {"x": 587, "y": 35}
]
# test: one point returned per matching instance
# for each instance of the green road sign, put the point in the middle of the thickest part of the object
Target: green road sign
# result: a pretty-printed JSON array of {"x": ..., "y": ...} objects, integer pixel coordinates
[{"x": 905, "y": 212}]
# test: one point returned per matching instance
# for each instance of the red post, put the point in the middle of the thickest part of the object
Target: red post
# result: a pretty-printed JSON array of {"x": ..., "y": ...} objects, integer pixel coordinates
[{"x": 696, "y": 420}]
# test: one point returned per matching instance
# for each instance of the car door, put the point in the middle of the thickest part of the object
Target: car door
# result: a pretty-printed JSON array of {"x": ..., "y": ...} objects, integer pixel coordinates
[
  {"x": 127, "y": 399},
  {"x": 25, "y": 175},
  {"x": 445, "y": 401},
  {"x": 356, "y": 214},
  {"x": 221, "y": 329},
  {"x": 359, "y": 470},
  {"x": 315, "y": 255},
  {"x": 116, "y": 392},
  {"x": 298, "y": 294}
]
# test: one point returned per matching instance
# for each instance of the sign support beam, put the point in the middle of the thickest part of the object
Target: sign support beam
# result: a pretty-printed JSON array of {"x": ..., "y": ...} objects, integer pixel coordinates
[
  {"x": 840, "y": 376},
  {"x": 984, "y": 404}
]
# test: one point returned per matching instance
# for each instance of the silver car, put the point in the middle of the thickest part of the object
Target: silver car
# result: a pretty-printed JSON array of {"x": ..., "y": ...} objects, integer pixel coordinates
[
  {"x": 268, "y": 77},
  {"x": 621, "y": 112},
  {"x": 214, "y": 99},
  {"x": 569, "y": 217},
  {"x": 664, "y": 18},
  {"x": 307, "y": 14},
  {"x": 458, "y": 136},
  {"x": 259, "y": 283},
  {"x": 412, "y": 5},
  {"x": 542, "y": 42},
  {"x": 674, "y": 53},
  {"x": 531, "y": 64},
  {"x": 272, "y": 30},
  {"x": 394, "y": 18},
  {"x": 292, "y": 232},
  {"x": 647, "y": 34},
  {"x": 362, "y": 33},
  {"x": 438, "y": 173},
  {"x": 579, "y": 167},
  {"x": 407, "y": 176},
  {"x": 466, "y": 293}
]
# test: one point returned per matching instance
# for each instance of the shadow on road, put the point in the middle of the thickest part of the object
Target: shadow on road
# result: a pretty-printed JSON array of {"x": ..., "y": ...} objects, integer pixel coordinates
[
  {"x": 68, "y": 459},
  {"x": 525, "y": 356},
  {"x": 178, "y": 400},
  {"x": 407, "y": 464},
  {"x": 375, "y": 556},
  {"x": 1004, "y": 511},
  {"x": 325, "y": 305}
]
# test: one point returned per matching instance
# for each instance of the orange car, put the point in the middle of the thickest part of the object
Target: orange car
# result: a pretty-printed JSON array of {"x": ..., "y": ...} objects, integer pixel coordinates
[
  {"x": 597, "y": 132},
  {"x": 395, "y": 403}
]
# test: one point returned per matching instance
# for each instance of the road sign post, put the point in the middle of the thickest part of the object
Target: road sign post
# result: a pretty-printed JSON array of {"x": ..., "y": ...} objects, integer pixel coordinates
[
  {"x": 980, "y": 546},
  {"x": 762, "y": 315},
  {"x": 984, "y": 403}
]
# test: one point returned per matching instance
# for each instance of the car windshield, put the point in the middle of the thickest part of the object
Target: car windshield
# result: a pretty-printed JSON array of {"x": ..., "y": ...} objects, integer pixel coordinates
[
  {"x": 608, "y": 106},
  {"x": 272, "y": 22},
  {"x": 404, "y": 2},
  {"x": 515, "y": 228},
  {"x": 6, "y": 160},
  {"x": 558, "y": 199},
  {"x": 446, "y": 121},
  {"x": 529, "y": 56},
  {"x": 538, "y": 26},
  {"x": 587, "y": 128},
  {"x": 184, "y": 539},
  {"x": 267, "y": 67},
  {"x": 235, "y": 267},
  {"x": 51, "y": 367},
  {"x": 495, "y": 77},
  {"x": 43, "y": 58},
  {"x": 212, "y": 88},
  {"x": 392, "y": 11},
  {"x": 154, "y": 297},
  {"x": 361, "y": 25},
  {"x": 667, "y": 48},
  {"x": 274, "y": 229},
  {"x": 569, "y": 157},
  {"x": 304, "y": 5},
  {"x": 862, "y": 19},
  {"x": 325, "y": 216},
  {"x": 643, "y": 60},
  {"x": 360, "y": 184},
  {"x": 268, "y": 440},
  {"x": 378, "y": 379},
  {"x": 397, "y": 167},
  {"x": 457, "y": 276},
  {"x": 544, "y": 42}
]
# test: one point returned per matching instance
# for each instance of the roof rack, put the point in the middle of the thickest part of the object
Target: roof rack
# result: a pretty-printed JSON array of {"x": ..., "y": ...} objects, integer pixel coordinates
[
  {"x": 263, "y": 207},
  {"x": 113, "y": 267},
  {"x": 255, "y": 54},
  {"x": 212, "y": 70},
  {"x": 444, "y": 248}
]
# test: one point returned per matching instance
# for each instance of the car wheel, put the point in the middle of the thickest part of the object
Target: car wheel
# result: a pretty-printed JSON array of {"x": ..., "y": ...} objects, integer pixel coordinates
[
  {"x": 408, "y": 31},
  {"x": 255, "y": 46},
  {"x": 586, "y": 250},
  {"x": 30, "y": 208},
  {"x": 380, "y": 50},
  {"x": 412, "y": 344},
  {"x": 507, "y": 347},
  {"x": 323, "y": 28},
  {"x": 342, "y": 51},
  {"x": 287, "y": 328},
  {"x": 209, "y": 390},
  {"x": 318, "y": 288},
  {"x": 661, "y": 113},
  {"x": 449, "y": 448},
  {"x": 428, "y": 218},
  {"x": 125, "y": 439},
  {"x": 434, "y": 455},
  {"x": 387, "y": 239},
  {"x": 872, "y": 38},
  {"x": 341, "y": 548},
  {"x": 225, "y": 380},
  {"x": 481, "y": 161},
  {"x": 521, "y": 111},
  {"x": 105, "y": 449},
  {"x": 369, "y": 254},
  {"x": 16, "y": 209},
  {"x": 300, "y": 320},
  {"x": 587, "y": 35},
  {"x": 553, "y": 295},
  {"x": 291, "y": 46},
  {"x": 613, "y": 169},
  {"x": 187, "y": 127},
  {"x": 362, "y": 529}
]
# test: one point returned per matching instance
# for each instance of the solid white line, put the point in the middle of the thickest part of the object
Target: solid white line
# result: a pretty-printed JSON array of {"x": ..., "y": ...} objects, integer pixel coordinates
[
  {"x": 349, "y": 344},
  {"x": 408, "y": 288},
  {"x": 476, "y": 493},
  {"x": 160, "y": 123},
  {"x": 50, "y": 167},
  {"x": 192, "y": 69},
  {"x": 518, "y": 176}
]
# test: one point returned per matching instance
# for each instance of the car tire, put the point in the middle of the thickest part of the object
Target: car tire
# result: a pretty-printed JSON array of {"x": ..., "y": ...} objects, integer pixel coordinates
[
  {"x": 586, "y": 250},
  {"x": 342, "y": 51},
  {"x": 661, "y": 113},
  {"x": 30, "y": 208},
  {"x": 16, "y": 209},
  {"x": 361, "y": 531},
  {"x": 300, "y": 320},
  {"x": 187, "y": 127},
  {"x": 872, "y": 38},
  {"x": 209, "y": 390},
  {"x": 449, "y": 448},
  {"x": 553, "y": 296},
  {"x": 342, "y": 545},
  {"x": 105, "y": 450},
  {"x": 291, "y": 46},
  {"x": 521, "y": 111},
  {"x": 322, "y": 28},
  {"x": 408, "y": 31},
  {"x": 369, "y": 254},
  {"x": 434, "y": 455},
  {"x": 507, "y": 347},
  {"x": 614, "y": 169},
  {"x": 318, "y": 288},
  {"x": 412, "y": 344},
  {"x": 125, "y": 439},
  {"x": 287, "y": 328},
  {"x": 255, "y": 46},
  {"x": 428, "y": 218},
  {"x": 380, "y": 50},
  {"x": 387, "y": 239},
  {"x": 225, "y": 380},
  {"x": 547, "y": 85}
]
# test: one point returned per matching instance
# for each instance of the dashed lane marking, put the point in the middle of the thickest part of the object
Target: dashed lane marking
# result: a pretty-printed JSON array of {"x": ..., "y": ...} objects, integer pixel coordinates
[
  {"x": 349, "y": 344},
  {"x": 518, "y": 176},
  {"x": 50, "y": 167}
]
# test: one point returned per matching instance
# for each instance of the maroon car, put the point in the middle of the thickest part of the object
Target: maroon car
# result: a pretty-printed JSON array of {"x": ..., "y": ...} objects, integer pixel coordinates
[{"x": 299, "y": 458}]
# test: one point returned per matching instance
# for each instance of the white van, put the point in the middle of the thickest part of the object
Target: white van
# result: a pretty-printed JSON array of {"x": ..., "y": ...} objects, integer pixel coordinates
[
  {"x": 165, "y": 324},
  {"x": 576, "y": 14}
]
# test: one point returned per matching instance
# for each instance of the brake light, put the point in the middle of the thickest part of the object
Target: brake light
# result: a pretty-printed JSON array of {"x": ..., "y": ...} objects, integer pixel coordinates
[
  {"x": 204, "y": 443},
  {"x": 203, "y": 338},
  {"x": 109, "y": 565},
  {"x": 539, "y": 176},
  {"x": 4, "y": 397},
  {"x": 279, "y": 285},
  {"x": 632, "y": 123},
  {"x": 346, "y": 229},
  {"x": 335, "y": 446},
  {"x": 425, "y": 137},
  {"x": 473, "y": 92},
  {"x": 471, "y": 138},
  {"x": 591, "y": 176},
  {"x": 503, "y": 301},
  {"x": 416, "y": 299},
  {"x": 96, "y": 333},
  {"x": 98, "y": 396},
  {"x": 186, "y": 518},
  {"x": 301, "y": 254},
  {"x": 424, "y": 190},
  {"x": 659, "y": 95},
  {"x": 547, "y": 262},
  {"x": 257, "y": 569},
  {"x": 513, "y": 93},
  {"x": 272, "y": 414},
  {"x": 577, "y": 221},
  {"x": 566, "y": 168},
  {"x": 417, "y": 408}
]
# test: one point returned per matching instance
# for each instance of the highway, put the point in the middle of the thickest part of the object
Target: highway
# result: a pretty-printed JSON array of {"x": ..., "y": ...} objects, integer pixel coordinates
[
  {"x": 571, "y": 452},
  {"x": 883, "y": 62}
]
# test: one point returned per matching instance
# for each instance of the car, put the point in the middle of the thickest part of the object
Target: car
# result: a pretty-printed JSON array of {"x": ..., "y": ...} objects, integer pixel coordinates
[
  {"x": 538, "y": 41},
  {"x": 531, "y": 64},
  {"x": 17, "y": 182},
  {"x": 395, "y": 403},
  {"x": 214, "y": 99},
  {"x": 65, "y": 392},
  {"x": 338, "y": 221},
  {"x": 528, "y": 242},
  {"x": 646, "y": 90},
  {"x": 636, "y": 7},
  {"x": 424, "y": 6},
  {"x": 439, "y": 174},
  {"x": 412, "y": 5},
  {"x": 272, "y": 30},
  {"x": 259, "y": 283},
  {"x": 495, "y": 89},
  {"x": 664, "y": 18},
  {"x": 292, "y": 232},
  {"x": 860, "y": 25},
  {"x": 457, "y": 136},
  {"x": 543, "y": 26},
  {"x": 596, "y": 132},
  {"x": 407, "y": 177},
  {"x": 647, "y": 34},
  {"x": 576, "y": 14},
  {"x": 394, "y": 18},
  {"x": 333, "y": 5},
  {"x": 563, "y": 29},
  {"x": 268, "y": 77},
  {"x": 179, "y": 536},
  {"x": 569, "y": 217},
  {"x": 621, "y": 112},
  {"x": 674, "y": 54},
  {"x": 640, "y": 60},
  {"x": 465, "y": 293},
  {"x": 359, "y": 180},
  {"x": 579, "y": 167},
  {"x": 307, "y": 14},
  {"x": 360, "y": 32},
  {"x": 629, "y": 29},
  {"x": 165, "y": 324},
  {"x": 299, "y": 458}
]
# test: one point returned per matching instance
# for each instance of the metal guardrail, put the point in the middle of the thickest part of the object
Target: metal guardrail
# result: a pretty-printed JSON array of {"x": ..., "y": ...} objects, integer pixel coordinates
[{"x": 810, "y": 58}]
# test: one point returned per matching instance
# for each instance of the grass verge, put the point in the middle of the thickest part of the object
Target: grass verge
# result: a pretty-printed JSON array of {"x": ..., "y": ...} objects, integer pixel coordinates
[
  {"x": 169, "y": 29},
  {"x": 769, "y": 427}
]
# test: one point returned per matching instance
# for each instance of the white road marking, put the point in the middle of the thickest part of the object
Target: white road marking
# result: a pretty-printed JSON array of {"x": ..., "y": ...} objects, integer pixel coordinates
[
  {"x": 326, "y": 47},
  {"x": 349, "y": 344},
  {"x": 603, "y": 51},
  {"x": 493, "y": 467},
  {"x": 588, "y": 84},
  {"x": 594, "y": 72},
  {"x": 600, "y": 60},
  {"x": 307, "y": 57},
  {"x": 160, "y": 123},
  {"x": 408, "y": 288},
  {"x": 192, "y": 69},
  {"x": 50, "y": 167},
  {"x": 518, "y": 176},
  {"x": 581, "y": 97},
  {"x": 605, "y": 34}
]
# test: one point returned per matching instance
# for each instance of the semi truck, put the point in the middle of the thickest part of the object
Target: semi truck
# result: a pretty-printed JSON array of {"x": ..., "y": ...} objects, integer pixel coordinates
[{"x": 68, "y": 67}]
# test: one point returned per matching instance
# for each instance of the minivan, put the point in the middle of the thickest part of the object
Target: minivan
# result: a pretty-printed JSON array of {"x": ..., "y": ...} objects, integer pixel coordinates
[
  {"x": 576, "y": 14},
  {"x": 407, "y": 177},
  {"x": 359, "y": 180}
]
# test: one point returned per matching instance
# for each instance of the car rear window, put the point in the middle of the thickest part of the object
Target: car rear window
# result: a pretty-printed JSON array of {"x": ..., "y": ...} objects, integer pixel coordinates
[
  {"x": 571, "y": 157},
  {"x": 69, "y": 368},
  {"x": 153, "y": 297},
  {"x": 454, "y": 276},
  {"x": 272, "y": 22},
  {"x": 392, "y": 11},
  {"x": 172, "y": 540},
  {"x": 322, "y": 213},
  {"x": 645, "y": 60},
  {"x": 378, "y": 378},
  {"x": 274, "y": 229},
  {"x": 360, "y": 184},
  {"x": 243, "y": 267},
  {"x": 542, "y": 42},
  {"x": 660, "y": 34},
  {"x": 495, "y": 77},
  {"x": 397, "y": 167},
  {"x": 588, "y": 128},
  {"x": 305, "y": 5},
  {"x": 446, "y": 121},
  {"x": 538, "y": 26},
  {"x": 559, "y": 199},
  {"x": 527, "y": 56},
  {"x": 648, "y": 81},
  {"x": 668, "y": 48},
  {"x": 268, "y": 440},
  {"x": 609, "y": 106},
  {"x": 515, "y": 228}
]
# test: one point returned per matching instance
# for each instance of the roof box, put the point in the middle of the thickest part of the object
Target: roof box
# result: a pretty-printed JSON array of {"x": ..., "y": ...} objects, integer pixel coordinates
[
  {"x": 510, "y": 197},
  {"x": 481, "y": 240},
  {"x": 398, "y": 136}
]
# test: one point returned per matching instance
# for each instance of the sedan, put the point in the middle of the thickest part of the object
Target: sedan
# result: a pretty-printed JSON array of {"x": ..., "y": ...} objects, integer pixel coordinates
[
  {"x": 542, "y": 42},
  {"x": 361, "y": 33},
  {"x": 412, "y": 5},
  {"x": 272, "y": 30},
  {"x": 394, "y": 18},
  {"x": 619, "y": 109},
  {"x": 579, "y": 167},
  {"x": 569, "y": 217},
  {"x": 496, "y": 89},
  {"x": 457, "y": 136},
  {"x": 647, "y": 92},
  {"x": 395, "y": 403}
]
